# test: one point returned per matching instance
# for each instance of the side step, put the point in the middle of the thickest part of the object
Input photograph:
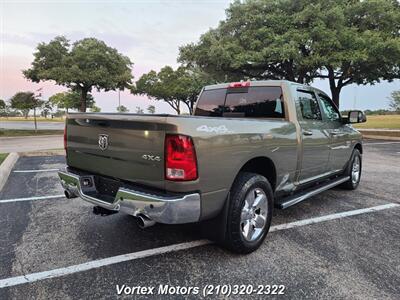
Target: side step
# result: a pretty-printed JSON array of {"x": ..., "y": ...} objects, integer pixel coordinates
[{"x": 292, "y": 200}]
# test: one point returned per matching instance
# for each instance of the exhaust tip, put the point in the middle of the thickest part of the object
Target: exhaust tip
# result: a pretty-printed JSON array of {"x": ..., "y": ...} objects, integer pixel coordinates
[
  {"x": 69, "y": 195},
  {"x": 144, "y": 222}
]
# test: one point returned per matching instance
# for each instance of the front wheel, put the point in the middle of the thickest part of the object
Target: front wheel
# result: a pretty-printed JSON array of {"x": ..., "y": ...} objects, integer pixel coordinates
[
  {"x": 353, "y": 170},
  {"x": 250, "y": 212}
]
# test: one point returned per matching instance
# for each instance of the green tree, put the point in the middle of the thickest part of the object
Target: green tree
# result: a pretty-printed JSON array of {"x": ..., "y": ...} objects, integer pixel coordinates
[
  {"x": 83, "y": 66},
  {"x": 395, "y": 101},
  {"x": 173, "y": 86},
  {"x": 47, "y": 109},
  {"x": 151, "y": 109},
  {"x": 25, "y": 101},
  {"x": 122, "y": 109},
  {"x": 139, "y": 110},
  {"x": 70, "y": 100},
  {"x": 95, "y": 108},
  {"x": 2, "y": 104},
  {"x": 299, "y": 40}
]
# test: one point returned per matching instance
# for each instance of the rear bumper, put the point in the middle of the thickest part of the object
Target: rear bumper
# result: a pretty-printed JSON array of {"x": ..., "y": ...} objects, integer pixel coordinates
[{"x": 174, "y": 209}]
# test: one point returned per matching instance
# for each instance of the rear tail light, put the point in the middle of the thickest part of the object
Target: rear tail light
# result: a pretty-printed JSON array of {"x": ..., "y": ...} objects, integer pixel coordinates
[
  {"x": 180, "y": 158},
  {"x": 65, "y": 137},
  {"x": 239, "y": 84}
]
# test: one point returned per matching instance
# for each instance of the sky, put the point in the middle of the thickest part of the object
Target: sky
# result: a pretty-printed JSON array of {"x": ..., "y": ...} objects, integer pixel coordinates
[{"x": 148, "y": 32}]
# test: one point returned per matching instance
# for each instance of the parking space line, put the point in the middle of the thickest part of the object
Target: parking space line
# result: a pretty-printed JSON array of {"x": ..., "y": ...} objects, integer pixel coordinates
[
  {"x": 36, "y": 171},
  {"x": 333, "y": 216},
  {"x": 29, "y": 278},
  {"x": 32, "y": 198}
]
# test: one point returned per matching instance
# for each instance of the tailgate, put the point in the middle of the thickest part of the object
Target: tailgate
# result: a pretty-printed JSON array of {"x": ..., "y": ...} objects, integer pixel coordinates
[{"x": 127, "y": 147}]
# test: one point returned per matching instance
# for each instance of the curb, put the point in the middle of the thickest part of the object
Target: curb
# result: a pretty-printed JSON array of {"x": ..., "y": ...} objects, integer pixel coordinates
[
  {"x": 6, "y": 167},
  {"x": 43, "y": 153},
  {"x": 381, "y": 137}
]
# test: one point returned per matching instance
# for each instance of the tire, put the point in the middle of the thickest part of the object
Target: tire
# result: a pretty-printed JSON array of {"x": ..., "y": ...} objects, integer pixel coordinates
[
  {"x": 249, "y": 213},
  {"x": 354, "y": 181}
]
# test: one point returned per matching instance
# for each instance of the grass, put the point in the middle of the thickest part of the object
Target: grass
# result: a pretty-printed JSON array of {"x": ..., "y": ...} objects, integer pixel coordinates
[
  {"x": 3, "y": 157},
  {"x": 381, "y": 122},
  {"x": 16, "y": 132},
  {"x": 30, "y": 119}
]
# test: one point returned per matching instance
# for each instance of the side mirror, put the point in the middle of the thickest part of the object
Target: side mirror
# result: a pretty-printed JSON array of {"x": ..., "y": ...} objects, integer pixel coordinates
[{"x": 356, "y": 116}]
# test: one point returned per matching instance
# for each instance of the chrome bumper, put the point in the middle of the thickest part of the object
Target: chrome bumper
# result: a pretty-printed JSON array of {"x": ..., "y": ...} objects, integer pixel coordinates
[{"x": 162, "y": 209}]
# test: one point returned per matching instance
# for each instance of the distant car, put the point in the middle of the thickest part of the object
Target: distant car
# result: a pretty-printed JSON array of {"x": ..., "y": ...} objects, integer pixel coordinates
[{"x": 247, "y": 147}]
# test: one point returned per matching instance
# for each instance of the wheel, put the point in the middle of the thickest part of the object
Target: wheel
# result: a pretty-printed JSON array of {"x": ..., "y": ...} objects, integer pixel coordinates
[
  {"x": 354, "y": 171},
  {"x": 249, "y": 214}
]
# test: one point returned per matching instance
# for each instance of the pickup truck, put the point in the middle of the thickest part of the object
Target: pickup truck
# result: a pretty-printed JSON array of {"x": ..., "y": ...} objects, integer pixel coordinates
[{"x": 249, "y": 146}]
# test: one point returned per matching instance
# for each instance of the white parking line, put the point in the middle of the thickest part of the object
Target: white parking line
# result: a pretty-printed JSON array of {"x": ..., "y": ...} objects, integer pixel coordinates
[
  {"x": 333, "y": 216},
  {"x": 36, "y": 171},
  {"x": 381, "y": 143},
  {"x": 32, "y": 198},
  {"x": 29, "y": 278}
]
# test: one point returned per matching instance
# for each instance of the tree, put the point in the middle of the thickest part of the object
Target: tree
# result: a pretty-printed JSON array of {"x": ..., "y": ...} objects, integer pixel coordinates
[
  {"x": 122, "y": 109},
  {"x": 26, "y": 101},
  {"x": 70, "y": 100},
  {"x": 2, "y": 104},
  {"x": 151, "y": 109},
  {"x": 95, "y": 109},
  {"x": 83, "y": 66},
  {"x": 395, "y": 101},
  {"x": 344, "y": 41},
  {"x": 139, "y": 110},
  {"x": 173, "y": 86},
  {"x": 47, "y": 108}
]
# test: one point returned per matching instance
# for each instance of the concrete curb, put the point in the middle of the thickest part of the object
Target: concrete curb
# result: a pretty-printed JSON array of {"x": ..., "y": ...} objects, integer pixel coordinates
[
  {"x": 6, "y": 167},
  {"x": 43, "y": 153},
  {"x": 381, "y": 137}
]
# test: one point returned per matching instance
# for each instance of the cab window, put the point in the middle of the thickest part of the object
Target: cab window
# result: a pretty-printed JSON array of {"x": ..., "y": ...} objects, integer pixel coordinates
[
  {"x": 308, "y": 105},
  {"x": 328, "y": 108}
]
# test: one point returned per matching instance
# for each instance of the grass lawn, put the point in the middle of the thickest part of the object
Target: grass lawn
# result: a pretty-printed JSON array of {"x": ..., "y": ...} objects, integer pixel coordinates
[
  {"x": 39, "y": 119},
  {"x": 381, "y": 121},
  {"x": 3, "y": 157},
  {"x": 16, "y": 132}
]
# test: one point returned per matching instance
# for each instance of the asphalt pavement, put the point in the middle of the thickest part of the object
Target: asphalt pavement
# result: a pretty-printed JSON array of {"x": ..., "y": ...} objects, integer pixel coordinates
[
  {"x": 345, "y": 246},
  {"x": 29, "y": 125}
]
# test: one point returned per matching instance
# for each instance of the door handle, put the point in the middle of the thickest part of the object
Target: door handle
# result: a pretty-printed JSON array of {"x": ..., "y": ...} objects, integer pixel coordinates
[
  {"x": 307, "y": 132},
  {"x": 335, "y": 132}
]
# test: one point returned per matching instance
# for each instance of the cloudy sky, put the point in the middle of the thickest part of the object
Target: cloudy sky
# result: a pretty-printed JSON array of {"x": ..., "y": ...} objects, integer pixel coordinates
[{"x": 149, "y": 32}]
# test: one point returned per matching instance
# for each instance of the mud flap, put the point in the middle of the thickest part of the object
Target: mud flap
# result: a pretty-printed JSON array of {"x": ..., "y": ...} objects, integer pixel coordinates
[{"x": 215, "y": 229}]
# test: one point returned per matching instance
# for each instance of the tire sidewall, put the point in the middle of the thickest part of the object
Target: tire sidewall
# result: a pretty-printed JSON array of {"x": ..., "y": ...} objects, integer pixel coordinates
[
  {"x": 237, "y": 203},
  {"x": 355, "y": 154}
]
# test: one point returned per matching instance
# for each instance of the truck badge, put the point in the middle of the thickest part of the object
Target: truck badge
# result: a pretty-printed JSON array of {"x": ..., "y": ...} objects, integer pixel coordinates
[{"x": 103, "y": 141}]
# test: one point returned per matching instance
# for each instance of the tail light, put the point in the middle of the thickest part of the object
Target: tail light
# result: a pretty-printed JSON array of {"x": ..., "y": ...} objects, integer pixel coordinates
[
  {"x": 65, "y": 137},
  {"x": 180, "y": 158}
]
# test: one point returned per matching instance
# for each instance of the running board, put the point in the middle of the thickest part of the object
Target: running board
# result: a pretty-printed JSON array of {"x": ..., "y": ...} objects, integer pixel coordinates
[{"x": 292, "y": 200}]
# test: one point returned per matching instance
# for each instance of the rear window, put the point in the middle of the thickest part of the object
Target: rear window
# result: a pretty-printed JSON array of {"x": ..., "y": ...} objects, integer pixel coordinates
[{"x": 251, "y": 102}]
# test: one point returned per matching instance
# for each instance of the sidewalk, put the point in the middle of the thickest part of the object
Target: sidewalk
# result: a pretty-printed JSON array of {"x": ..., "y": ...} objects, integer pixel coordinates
[{"x": 30, "y": 143}]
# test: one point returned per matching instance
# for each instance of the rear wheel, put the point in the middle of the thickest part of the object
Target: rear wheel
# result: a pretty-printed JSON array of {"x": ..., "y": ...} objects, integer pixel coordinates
[
  {"x": 250, "y": 212},
  {"x": 354, "y": 171}
]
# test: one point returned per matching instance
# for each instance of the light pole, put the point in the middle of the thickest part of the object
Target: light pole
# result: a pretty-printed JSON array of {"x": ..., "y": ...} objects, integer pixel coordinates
[{"x": 119, "y": 98}]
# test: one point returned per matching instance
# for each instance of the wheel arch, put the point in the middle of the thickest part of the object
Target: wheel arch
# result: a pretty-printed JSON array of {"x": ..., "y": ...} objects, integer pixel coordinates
[
  {"x": 359, "y": 147},
  {"x": 261, "y": 165}
]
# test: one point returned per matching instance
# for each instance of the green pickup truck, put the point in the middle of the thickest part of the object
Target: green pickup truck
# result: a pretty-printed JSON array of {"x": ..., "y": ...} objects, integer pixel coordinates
[{"x": 248, "y": 146}]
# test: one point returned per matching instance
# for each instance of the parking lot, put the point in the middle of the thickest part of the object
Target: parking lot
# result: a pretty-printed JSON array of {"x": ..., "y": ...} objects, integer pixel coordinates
[{"x": 339, "y": 244}]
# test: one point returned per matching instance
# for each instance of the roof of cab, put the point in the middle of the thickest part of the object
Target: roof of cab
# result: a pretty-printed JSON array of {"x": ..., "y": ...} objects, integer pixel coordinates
[{"x": 254, "y": 83}]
